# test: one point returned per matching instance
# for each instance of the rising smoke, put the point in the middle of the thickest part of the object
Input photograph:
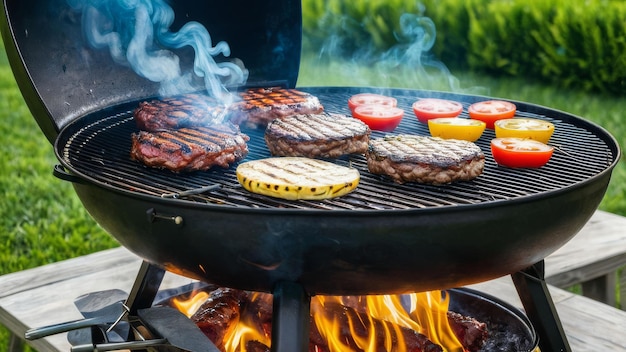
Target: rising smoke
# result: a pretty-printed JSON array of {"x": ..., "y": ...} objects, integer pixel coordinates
[
  {"x": 137, "y": 33},
  {"x": 408, "y": 63}
]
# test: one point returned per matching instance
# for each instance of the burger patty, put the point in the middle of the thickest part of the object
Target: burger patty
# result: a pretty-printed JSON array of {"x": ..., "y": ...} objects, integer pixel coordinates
[
  {"x": 429, "y": 160},
  {"x": 259, "y": 106},
  {"x": 317, "y": 136},
  {"x": 190, "y": 149},
  {"x": 180, "y": 111}
]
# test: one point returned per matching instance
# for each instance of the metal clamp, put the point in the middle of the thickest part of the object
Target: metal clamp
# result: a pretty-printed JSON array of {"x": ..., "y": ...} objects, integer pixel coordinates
[{"x": 153, "y": 216}]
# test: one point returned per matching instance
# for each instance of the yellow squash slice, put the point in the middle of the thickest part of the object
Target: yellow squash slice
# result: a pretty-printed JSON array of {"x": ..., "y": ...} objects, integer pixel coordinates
[{"x": 297, "y": 178}]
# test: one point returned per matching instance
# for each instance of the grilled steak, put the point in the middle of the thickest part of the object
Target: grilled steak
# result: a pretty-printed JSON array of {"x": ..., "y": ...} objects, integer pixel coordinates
[
  {"x": 190, "y": 149},
  {"x": 259, "y": 106},
  {"x": 317, "y": 136},
  {"x": 186, "y": 110},
  {"x": 430, "y": 160}
]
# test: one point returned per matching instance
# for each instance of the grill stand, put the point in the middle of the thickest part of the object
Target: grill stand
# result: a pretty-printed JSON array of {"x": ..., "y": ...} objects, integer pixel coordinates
[
  {"x": 533, "y": 292},
  {"x": 290, "y": 322},
  {"x": 291, "y": 308}
]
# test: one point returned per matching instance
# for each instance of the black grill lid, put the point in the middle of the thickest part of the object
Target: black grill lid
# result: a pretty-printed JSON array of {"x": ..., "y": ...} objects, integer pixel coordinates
[{"x": 62, "y": 77}]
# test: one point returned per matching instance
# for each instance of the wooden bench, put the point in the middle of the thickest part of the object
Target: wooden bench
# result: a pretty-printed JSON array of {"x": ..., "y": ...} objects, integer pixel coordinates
[
  {"x": 45, "y": 295},
  {"x": 592, "y": 259}
]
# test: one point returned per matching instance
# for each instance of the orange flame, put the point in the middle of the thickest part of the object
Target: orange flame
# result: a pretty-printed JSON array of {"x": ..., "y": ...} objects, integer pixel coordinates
[
  {"x": 384, "y": 323},
  {"x": 248, "y": 330},
  {"x": 191, "y": 305},
  {"x": 367, "y": 323}
]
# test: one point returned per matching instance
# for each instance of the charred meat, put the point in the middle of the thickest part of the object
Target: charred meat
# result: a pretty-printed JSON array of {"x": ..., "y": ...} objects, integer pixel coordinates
[
  {"x": 219, "y": 314},
  {"x": 472, "y": 333},
  {"x": 176, "y": 112},
  {"x": 190, "y": 149},
  {"x": 225, "y": 307},
  {"x": 317, "y": 136},
  {"x": 259, "y": 106},
  {"x": 430, "y": 160}
]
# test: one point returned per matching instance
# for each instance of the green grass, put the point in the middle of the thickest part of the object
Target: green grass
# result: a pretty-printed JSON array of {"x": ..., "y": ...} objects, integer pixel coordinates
[
  {"x": 41, "y": 218},
  {"x": 43, "y": 221}
]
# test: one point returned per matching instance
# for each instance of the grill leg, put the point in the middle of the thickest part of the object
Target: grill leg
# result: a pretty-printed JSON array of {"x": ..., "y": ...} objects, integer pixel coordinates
[
  {"x": 291, "y": 321},
  {"x": 145, "y": 288},
  {"x": 533, "y": 292}
]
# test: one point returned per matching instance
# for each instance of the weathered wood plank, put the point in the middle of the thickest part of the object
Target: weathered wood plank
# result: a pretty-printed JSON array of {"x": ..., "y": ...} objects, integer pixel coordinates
[
  {"x": 602, "y": 288},
  {"x": 597, "y": 250},
  {"x": 52, "y": 301},
  {"x": 48, "y": 274},
  {"x": 588, "y": 324},
  {"x": 622, "y": 288}
]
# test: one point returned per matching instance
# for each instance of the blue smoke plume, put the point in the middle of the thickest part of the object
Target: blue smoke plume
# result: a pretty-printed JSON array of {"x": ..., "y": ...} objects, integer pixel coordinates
[{"x": 137, "y": 33}]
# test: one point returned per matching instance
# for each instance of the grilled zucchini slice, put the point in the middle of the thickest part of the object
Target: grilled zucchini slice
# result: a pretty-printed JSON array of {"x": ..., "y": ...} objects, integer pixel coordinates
[{"x": 295, "y": 178}]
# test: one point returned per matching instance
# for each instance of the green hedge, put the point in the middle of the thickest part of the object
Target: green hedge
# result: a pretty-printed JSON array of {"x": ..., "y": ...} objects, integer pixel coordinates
[
  {"x": 351, "y": 26},
  {"x": 570, "y": 43}
]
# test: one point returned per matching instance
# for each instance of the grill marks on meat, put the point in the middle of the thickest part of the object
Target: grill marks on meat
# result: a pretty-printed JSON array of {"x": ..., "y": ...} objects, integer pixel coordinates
[
  {"x": 190, "y": 149},
  {"x": 176, "y": 112},
  {"x": 317, "y": 136},
  {"x": 259, "y": 106},
  {"x": 183, "y": 133},
  {"x": 430, "y": 160}
]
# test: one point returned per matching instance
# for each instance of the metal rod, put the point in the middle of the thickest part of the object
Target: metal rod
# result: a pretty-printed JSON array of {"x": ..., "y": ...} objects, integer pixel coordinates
[
  {"x": 533, "y": 292},
  {"x": 191, "y": 192},
  {"x": 145, "y": 288},
  {"x": 291, "y": 318}
]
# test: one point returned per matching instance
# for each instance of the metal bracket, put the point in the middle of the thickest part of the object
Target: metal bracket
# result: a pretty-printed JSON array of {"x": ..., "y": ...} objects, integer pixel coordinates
[
  {"x": 533, "y": 292},
  {"x": 153, "y": 216},
  {"x": 145, "y": 288}
]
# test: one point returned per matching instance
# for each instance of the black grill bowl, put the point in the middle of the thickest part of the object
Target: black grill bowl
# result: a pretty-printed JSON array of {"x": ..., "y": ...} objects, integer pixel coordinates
[{"x": 383, "y": 238}]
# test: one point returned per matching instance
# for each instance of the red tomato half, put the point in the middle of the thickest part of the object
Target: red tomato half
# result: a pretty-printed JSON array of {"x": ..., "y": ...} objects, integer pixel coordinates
[
  {"x": 371, "y": 98},
  {"x": 520, "y": 152},
  {"x": 430, "y": 108},
  {"x": 379, "y": 117},
  {"x": 491, "y": 111}
]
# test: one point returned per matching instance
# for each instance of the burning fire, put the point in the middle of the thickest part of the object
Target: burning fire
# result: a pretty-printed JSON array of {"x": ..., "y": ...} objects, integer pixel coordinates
[{"x": 341, "y": 323}]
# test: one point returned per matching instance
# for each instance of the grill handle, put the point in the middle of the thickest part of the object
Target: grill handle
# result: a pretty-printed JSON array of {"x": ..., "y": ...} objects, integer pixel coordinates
[{"x": 60, "y": 173}]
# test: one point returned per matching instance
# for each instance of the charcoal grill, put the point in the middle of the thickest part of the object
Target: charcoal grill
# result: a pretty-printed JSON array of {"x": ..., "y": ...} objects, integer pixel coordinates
[{"x": 382, "y": 238}]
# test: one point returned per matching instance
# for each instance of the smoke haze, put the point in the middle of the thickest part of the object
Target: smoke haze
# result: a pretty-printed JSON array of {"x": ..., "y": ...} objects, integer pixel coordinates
[{"x": 137, "y": 34}]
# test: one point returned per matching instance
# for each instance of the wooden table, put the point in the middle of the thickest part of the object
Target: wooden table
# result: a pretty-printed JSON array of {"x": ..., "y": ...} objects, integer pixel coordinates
[{"x": 45, "y": 295}]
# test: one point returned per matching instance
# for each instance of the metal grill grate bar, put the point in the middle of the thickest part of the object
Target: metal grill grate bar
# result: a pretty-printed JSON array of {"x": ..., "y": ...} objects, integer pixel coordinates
[{"x": 100, "y": 150}]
